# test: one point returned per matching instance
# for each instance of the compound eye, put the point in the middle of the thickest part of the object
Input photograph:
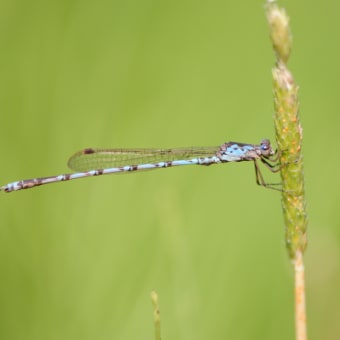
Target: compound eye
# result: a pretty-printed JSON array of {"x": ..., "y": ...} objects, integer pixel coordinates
[{"x": 265, "y": 145}]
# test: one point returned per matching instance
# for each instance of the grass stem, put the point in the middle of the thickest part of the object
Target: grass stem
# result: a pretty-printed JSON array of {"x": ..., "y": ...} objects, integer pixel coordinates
[{"x": 289, "y": 142}]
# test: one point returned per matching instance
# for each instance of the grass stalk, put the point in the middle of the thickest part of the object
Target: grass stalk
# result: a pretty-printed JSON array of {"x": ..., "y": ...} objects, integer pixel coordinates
[
  {"x": 156, "y": 315},
  {"x": 289, "y": 142}
]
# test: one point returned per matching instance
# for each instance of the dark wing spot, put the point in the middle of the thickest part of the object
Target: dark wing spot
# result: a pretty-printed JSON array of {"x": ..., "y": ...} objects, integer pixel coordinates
[{"x": 88, "y": 151}]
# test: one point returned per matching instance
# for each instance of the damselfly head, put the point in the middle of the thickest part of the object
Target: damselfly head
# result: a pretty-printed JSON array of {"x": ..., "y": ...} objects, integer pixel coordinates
[{"x": 266, "y": 149}]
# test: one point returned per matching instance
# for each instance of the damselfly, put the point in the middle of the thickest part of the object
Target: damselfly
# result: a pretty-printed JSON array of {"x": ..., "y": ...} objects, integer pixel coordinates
[{"x": 96, "y": 162}]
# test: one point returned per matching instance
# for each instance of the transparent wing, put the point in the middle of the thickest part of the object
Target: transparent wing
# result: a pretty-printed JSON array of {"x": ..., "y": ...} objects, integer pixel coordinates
[{"x": 91, "y": 159}]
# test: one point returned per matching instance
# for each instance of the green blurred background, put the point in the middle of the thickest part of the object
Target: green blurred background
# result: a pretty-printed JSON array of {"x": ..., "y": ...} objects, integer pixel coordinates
[{"x": 79, "y": 259}]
